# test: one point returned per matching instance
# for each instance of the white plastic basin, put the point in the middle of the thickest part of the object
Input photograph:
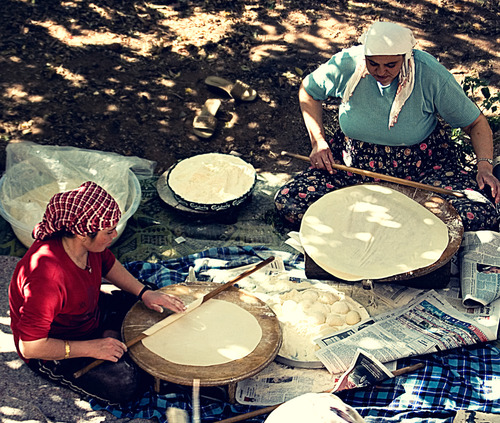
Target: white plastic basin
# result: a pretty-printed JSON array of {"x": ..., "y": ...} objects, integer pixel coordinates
[{"x": 23, "y": 230}]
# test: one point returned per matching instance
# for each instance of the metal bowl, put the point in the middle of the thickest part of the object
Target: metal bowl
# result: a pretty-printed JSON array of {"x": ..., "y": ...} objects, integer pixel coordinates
[{"x": 210, "y": 207}]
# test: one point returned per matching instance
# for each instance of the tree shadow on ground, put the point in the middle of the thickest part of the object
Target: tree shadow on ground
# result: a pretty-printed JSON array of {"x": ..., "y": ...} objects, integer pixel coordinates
[{"x": 128, "y": 77}]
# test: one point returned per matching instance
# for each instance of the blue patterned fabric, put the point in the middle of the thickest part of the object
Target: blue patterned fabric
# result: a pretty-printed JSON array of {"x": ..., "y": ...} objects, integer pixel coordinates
[
  {"x": 176, "y": 270},
  {"x": 465, "y": 378},
  {"x": 153, "y": 405}
]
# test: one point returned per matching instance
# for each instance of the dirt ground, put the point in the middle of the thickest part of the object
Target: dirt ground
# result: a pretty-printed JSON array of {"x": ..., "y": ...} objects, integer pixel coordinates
[{"x": 128, "y": 75}]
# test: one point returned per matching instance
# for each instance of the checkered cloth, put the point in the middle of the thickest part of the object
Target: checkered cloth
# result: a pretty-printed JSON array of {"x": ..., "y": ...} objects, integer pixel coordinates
[
  {"x": 466, "y": 378},
  {"x": 81, "y": 211}
]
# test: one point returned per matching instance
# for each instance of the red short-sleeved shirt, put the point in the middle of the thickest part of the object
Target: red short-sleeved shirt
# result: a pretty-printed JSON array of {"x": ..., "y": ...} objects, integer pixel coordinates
[{"x": 51, "y": 297}]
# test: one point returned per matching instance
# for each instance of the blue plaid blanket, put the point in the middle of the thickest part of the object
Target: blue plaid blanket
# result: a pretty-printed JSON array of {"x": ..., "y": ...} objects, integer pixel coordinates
[{"x": 466, "y": 378}]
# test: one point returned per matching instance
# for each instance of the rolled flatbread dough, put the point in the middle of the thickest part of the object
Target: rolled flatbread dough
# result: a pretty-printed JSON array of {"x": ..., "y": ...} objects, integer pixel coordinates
[
  {"x": 371, "y": 232},
  {"x": 216, "y": 332},
  {"x": 211, "y": 178}
]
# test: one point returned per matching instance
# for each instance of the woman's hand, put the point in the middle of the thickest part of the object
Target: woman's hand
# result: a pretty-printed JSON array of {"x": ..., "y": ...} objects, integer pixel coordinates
[
  {"x": 321, "y": 156},
  {"x": 110, "y": 349},
  {"x": 157, "y": 300},
  {"x": 485, "y": 177},
  {"x": 482, "y": 141}
]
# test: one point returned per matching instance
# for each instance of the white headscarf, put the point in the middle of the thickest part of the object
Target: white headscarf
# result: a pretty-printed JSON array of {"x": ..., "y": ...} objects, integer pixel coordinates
[{"x": 387, "y": 39}]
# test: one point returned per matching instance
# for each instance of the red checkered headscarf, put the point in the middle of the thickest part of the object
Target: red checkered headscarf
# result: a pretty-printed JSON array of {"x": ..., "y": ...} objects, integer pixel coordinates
[{"x": 81, "y": 211}]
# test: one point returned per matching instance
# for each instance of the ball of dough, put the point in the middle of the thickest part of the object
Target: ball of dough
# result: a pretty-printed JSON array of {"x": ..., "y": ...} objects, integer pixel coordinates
[
  {"x": 310, "y": 294},
  {"x": 305, "y": 304},
  {"x": 289, "y": 307},
  {"x": 352, "y": 317},
  {"x": 316, "y": 318},
  {"x": 340, "y": 307},
  {"x": 335, "y": 320},
  {"x": 320, "y": 307},
  {"x": 290, "y": 295},
  {"x": 328, "y": 298}
]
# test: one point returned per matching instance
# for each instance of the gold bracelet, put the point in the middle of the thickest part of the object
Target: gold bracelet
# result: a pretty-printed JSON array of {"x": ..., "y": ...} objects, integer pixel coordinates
[{"x": 67, "y": 349}]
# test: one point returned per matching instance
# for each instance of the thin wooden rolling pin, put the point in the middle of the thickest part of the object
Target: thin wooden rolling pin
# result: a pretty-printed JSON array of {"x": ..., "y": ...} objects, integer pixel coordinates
[
  {"x": 387, "y": 178},
  {"x": 173, "y": 317},
  {"x": 266, "y": 410}
]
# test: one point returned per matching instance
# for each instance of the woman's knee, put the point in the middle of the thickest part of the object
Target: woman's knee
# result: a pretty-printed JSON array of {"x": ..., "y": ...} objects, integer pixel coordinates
[
  {"x": 109, "y": 383},
  {"x": 119, "y": 382},
  {"x": 477, "y": 213}
]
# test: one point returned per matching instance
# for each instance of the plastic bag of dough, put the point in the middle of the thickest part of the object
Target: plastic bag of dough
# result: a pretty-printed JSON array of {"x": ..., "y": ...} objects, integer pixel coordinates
[{"x": 42, "y": 171}]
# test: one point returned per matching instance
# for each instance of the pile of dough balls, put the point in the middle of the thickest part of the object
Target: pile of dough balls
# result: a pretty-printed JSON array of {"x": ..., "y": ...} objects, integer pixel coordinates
[{"x": 306, "y": 315}]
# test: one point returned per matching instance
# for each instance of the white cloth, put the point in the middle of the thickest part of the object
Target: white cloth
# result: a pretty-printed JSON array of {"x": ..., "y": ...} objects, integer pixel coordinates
[{"x": 387, "y": 39}]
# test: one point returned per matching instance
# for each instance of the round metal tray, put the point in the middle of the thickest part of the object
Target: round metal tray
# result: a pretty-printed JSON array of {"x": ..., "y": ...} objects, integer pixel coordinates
[
  {"x": 209, "y": 207},
  {"x": 435, "y": 204},
  {"x": 297, "y": 363}
]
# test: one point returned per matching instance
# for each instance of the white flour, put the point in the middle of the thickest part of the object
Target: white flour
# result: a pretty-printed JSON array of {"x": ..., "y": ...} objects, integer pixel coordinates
[{"x": 211, "y": 178}]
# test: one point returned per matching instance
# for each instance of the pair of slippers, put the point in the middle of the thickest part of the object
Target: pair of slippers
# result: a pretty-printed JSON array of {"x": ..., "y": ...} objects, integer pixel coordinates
[{"x": 204, "y": 124}]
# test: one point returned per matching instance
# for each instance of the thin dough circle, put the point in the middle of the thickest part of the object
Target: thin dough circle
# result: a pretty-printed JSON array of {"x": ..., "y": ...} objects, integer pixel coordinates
[
  {"x": 211, "y": 178},
  {"x": 371, "y": 232},
  {"x": 216, "y": 332}
]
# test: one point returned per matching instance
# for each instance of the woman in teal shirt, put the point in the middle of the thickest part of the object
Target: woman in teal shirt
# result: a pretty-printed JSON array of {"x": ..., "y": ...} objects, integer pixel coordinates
[{"x": 391, "y": 97}]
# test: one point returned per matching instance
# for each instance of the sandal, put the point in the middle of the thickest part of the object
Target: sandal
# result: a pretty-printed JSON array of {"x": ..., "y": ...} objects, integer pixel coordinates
[
  {"x": 238, "y": 90},
  {"x": 204, "y": 124}
]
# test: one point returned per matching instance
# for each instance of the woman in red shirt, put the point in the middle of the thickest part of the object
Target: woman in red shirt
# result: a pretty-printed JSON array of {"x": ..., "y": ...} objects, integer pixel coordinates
[{"x": 60, "y": 319}]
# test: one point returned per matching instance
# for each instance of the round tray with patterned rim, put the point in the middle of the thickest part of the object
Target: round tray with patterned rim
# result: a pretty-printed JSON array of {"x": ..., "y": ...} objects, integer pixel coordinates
[{"x": 210, "y": 207}]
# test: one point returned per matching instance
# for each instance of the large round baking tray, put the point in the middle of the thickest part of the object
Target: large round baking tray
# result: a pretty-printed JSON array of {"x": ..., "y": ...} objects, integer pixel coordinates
[
  {"x": 213, "y": 207},
  {"x": 140, "y": 318},
  {"x": 435, "y": 204}
]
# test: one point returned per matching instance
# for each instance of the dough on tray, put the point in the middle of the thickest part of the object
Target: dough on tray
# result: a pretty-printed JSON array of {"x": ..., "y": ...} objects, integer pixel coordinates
[
  {"x": 216, "y": 332},
  {"x": 371, "y": 232},
  {"x": 211, "y": 178}
]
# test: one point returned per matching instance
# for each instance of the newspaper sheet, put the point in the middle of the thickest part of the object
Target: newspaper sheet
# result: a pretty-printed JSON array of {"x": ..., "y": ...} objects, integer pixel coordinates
[
  {"x": 480, "y": 268},
  {"x": 428, "y": 323},
  {"x": 365, "y": 370},
  {"x": 278, "y": 383}
]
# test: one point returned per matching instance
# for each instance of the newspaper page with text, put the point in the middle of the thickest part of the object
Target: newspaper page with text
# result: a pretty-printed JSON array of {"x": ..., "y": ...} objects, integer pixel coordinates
[
  {"x": 480, "y": 268},
  {"x": 428, "y": 323},
  {"x": 365, "y": 370},
  {"x": 278, "y": 383}
]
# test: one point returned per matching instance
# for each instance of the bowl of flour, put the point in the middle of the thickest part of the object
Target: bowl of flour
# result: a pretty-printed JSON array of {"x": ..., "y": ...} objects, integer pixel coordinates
[{"x": 211, "y": 182}]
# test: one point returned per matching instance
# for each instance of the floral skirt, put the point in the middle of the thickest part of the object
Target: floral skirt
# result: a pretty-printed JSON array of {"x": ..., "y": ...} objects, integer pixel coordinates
[{"x": 435, "y": 161}]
